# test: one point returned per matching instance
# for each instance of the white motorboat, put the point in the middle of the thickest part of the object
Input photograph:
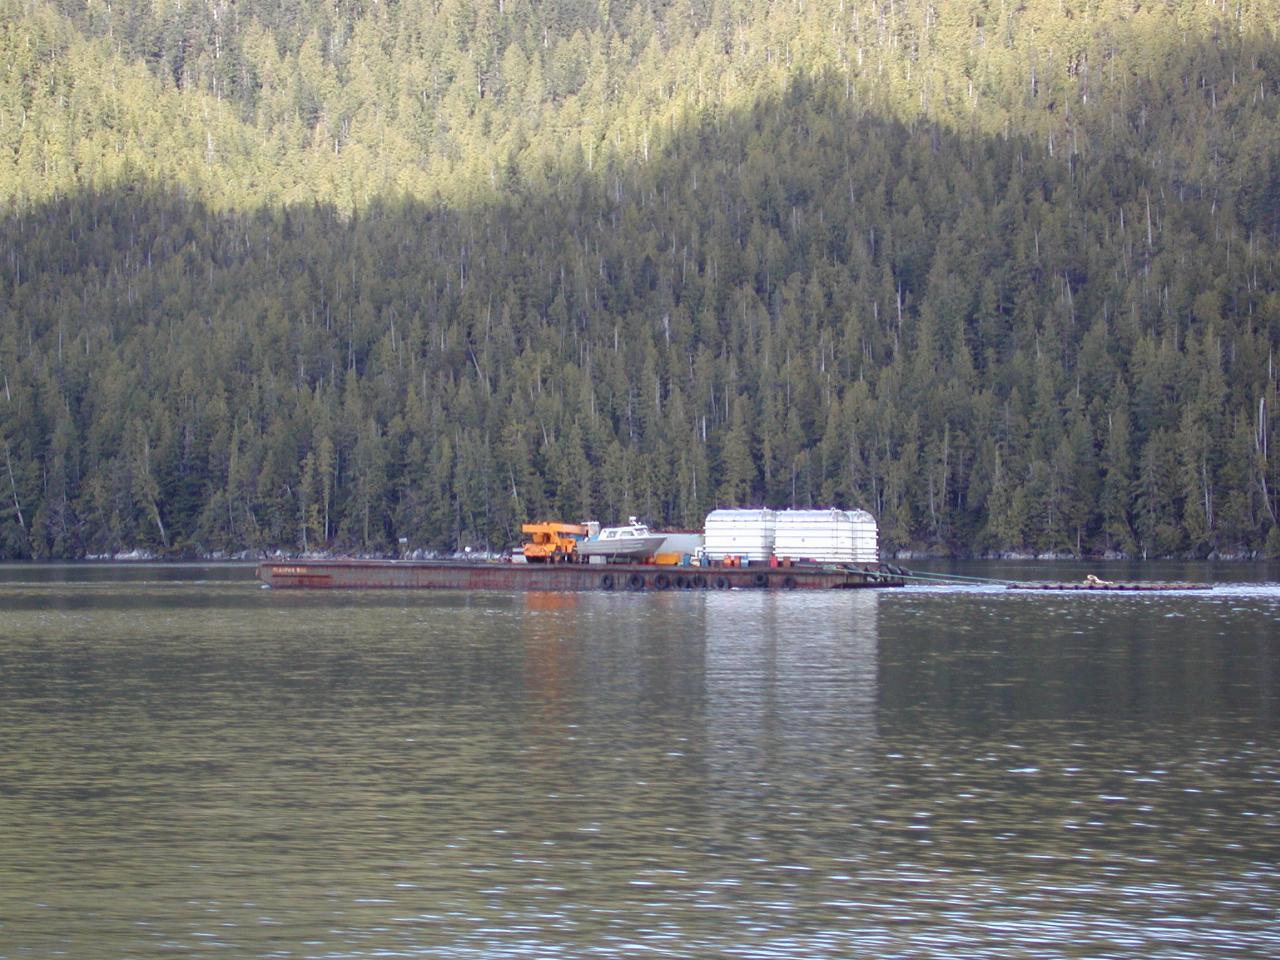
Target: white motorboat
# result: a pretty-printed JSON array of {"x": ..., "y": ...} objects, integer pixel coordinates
[{"x": 633, "y": 541}]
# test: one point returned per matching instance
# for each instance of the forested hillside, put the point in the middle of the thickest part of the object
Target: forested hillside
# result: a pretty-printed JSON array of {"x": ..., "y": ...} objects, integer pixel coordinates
[{"x": 324, "y": 275}]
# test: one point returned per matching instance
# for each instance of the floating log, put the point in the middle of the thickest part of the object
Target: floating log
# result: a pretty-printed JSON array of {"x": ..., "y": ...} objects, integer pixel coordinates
[{"x": 1139, "y": 585}]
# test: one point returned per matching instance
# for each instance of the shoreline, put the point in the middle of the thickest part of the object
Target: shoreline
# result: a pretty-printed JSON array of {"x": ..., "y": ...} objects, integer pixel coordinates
[{"x": 900, "y": 556}]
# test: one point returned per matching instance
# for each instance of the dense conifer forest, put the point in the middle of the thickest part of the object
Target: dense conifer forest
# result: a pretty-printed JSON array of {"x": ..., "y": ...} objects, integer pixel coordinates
[{"x": 326, "y": 274}]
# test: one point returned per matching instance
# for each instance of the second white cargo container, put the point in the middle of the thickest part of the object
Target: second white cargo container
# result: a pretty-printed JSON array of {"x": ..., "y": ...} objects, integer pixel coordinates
[
  {"x": 826, "y": 536},
  {"x": 866, "y": 537}
]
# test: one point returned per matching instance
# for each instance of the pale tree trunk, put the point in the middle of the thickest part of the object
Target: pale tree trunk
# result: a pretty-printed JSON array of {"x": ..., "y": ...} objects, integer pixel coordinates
[{"x": 13, "y": 487}]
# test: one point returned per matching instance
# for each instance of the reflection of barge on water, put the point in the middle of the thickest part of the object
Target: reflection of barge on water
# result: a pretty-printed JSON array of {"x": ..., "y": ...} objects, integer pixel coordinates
[{"x": 498, "y": 575}]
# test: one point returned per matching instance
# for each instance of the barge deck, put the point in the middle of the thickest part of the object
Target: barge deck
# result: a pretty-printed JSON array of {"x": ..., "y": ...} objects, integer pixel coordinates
[{"x": 497, "y": 575}]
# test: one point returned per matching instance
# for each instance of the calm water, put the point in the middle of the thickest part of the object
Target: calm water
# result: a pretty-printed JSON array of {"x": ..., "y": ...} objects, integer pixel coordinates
[{"x": 192, "y": 765}]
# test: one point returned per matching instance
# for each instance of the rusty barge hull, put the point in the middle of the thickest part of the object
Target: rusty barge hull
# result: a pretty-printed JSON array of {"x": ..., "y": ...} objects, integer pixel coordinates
[{"x": 449, "y": 575}]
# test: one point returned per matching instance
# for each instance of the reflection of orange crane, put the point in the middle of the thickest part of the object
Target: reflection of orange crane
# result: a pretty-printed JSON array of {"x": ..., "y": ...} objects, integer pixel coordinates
[{"x": 552, "y": 542}]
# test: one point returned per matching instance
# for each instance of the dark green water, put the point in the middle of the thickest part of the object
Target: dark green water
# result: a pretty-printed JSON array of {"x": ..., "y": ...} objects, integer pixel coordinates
[{"x": 194, "y": 766}]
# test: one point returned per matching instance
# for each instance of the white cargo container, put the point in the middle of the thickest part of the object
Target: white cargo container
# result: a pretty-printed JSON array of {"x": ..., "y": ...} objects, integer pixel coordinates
[
  {"x": 683, "y": 542},
  {"x": 866, "y": 537},
  {"x": 826, "y": 536},
  {"x": 738, "y": 533}
]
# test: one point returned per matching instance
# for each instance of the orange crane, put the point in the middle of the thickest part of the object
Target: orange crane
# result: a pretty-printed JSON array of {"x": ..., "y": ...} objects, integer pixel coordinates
[{"x": 552, "y": 542}]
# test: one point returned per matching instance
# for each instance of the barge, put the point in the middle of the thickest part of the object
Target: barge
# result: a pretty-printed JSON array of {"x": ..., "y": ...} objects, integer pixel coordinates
[
  {"x": 633, "y": 577},
  {"x": 830, "y": 550}
]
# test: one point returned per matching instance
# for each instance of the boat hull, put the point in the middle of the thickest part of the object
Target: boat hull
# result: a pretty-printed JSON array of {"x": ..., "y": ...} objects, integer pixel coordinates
[
  {"x": 635, "y": 577},
  {"x": 631, "y": 548}
]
